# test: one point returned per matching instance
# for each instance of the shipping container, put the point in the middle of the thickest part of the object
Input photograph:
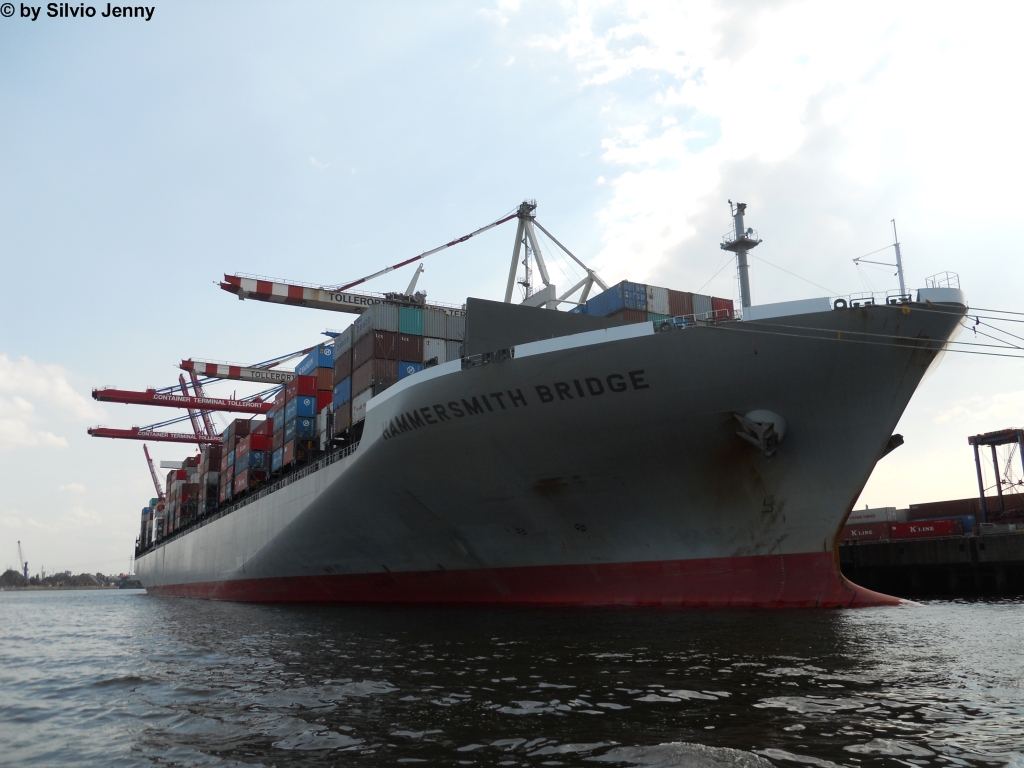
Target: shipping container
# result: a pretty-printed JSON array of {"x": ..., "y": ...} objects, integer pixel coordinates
[
  {"x": 435, "y": 323},
  {"x": 680, "y": 303},
  {"x": 408, "y": 369},
  {"x": 293, "y": 452},
  {"x": 624, "y": 295},
  {"x": 657, "y": 300},
  {"x": 322, "y": 356},
  {"x": 433, "y": 348},
  {"x": 342, "y": 343},
  {"x": 259, "y": 441},
  {"x": 379, "y": 317},
  {"x": 453, "y": 350},
  {"x": 323, "y": 399},
  {"x": 303, "y": 405},
  {"x": 723, "y": 308},
  {"x": 865, "y": 532},
  {"x": 378, "y": 373},
  {"x": 342, "y": 417},
  {"x": 342, "y": 392},
  {"x": 410, "y": 347},
  {"x": 579, "y": 309},
  {"x": 241, "y": 482},
  {"x": 300, "y": 428},
  {"x": 278, "y": 440},
  {"x": 324, "y": 379},
  {"x": 342, "y": 366},
  {"x": 359, "y": 405},
  {"x": 924, "y": 529},
  {"x": 250, "y": 460},
  {"x": 456, "y": 327},
  {"x": 654, "y": 317},
  {"x": 276, "y": 459},
  {"x": 701, "y": 306},
  {"x": 301, "y": 385},
  {"x": 231, "y": 459},
  {"x": 876, "y": 515},
  {"x": 630, "y": 315},
  {"x": 410, "y": 320},
  {"x": 382, "y": 345}
]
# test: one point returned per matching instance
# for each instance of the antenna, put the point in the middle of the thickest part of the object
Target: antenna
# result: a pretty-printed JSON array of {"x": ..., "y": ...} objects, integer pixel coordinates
[
  {"x": 899, "y": 260},
  {"x": 741, "y": 240}
]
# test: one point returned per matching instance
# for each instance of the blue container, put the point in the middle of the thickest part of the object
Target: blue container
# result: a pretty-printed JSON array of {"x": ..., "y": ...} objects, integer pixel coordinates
[
  {"x": 251, "y": 460},
  {"x": 579, "y": 309},
  {"x": 410, "y": 321},
  {"x": 303, "y": 405},
  {"x": 321, "y": 357},
  {"x": 300, "y": 428},
  {"x": 231, "y": 459},
  {"x": 625, "y": 295},
  {"x": 272, "y": 413},
  {"x": 408, "y": 369},
  {"x": 342, "y": 392},
  {"x": 276, "y": 459}
]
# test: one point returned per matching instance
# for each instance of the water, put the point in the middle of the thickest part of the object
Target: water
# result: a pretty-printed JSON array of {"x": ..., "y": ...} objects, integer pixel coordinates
[{"x": 111, "y": 678}]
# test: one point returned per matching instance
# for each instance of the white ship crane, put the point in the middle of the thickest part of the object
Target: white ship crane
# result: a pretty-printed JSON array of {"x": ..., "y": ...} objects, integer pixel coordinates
[
  {"x": 22, "y": 562},
  {"x": 152, "y": 473}
]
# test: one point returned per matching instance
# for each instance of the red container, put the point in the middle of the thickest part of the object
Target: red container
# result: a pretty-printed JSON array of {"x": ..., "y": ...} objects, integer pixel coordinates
[
  {"x": 323, "y": 399},
  {"x": 278, "y": 439},
  {"x": 342, "y": 367},
  {"x": 680, "y": 303},
  {"x": 926, "y": 529},
  {"x": 374, "y": 372},
  {"x": 382, "y": 345},
  {"x": 180, "y": 474},
  {"x": 723, "y": 308},
  {"x": 865, "y": 532},
  {"x": 301, "y": 385},
  {"x": 410, "y": 347},
  {"x": 631, "y": 315},
  {"x": 242, "y": 481},
  {"x": 222, "y": 494},
  {"x": 279, "y": 400},
  {"x": 289, "y": 452},
  {"x": 257, "y": 443},
  {"x": 243, "y": 447}
]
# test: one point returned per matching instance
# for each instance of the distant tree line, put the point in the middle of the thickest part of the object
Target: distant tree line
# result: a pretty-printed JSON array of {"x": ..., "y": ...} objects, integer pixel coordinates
[{"x": 11, "y": 579}]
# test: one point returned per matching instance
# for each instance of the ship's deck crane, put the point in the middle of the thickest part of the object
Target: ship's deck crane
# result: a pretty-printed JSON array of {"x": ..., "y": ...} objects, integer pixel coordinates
[
  {"x": 22, "y": 561},
  {"x": 339, "y": 299},
  {"x": 156, "y": 480}
]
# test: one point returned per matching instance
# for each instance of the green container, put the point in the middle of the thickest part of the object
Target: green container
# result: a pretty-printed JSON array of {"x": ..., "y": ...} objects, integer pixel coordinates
[
  {"x": 656, "y": 317},
  {"x": 410, "y": 321}
]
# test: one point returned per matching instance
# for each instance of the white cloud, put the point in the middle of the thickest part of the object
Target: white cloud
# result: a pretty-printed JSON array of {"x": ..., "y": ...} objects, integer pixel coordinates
[
  {"x": 32, "y": 397},
  {"x": 316, "y": 163}
]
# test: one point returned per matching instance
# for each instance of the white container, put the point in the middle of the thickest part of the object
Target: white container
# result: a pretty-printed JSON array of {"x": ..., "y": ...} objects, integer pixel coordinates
[
  {"x": 657, "y": 300},
  {"x": 435, "y": 323},
  {"x": 876, "y": 515},
  {"x": 701, "y": 306},
  {"x": 456, "y": 328},
  {"x": 359, "y": 405},
  {"x": 435, "y": 348},
  {"x": 343, "y": 342},
  {"x": 213, "y": 478},
  {"x": 379, "y": 317},
  {"x": 454, "y": 348}
]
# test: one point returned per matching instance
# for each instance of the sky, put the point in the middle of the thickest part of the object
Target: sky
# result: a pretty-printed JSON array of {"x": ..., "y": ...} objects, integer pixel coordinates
[{"x": 319, "y": 142}]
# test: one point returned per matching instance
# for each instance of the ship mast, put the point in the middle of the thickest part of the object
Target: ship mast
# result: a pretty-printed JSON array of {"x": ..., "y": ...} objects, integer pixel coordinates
[{"x": 739, "y": 241}]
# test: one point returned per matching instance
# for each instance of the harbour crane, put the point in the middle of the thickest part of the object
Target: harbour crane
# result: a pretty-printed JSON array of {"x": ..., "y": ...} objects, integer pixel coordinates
[
  {"x": 22, "y": 561},
  {"x": 341, "y": 299},
  {"x": 156, "y": 480},
  {"x": 207, "y": 417},
  {"x": 261, "y": 372},
  {"x": 142, "y": 433},
  {"x": 173, "y": 400},
  {"x": 192, "y": 415}
]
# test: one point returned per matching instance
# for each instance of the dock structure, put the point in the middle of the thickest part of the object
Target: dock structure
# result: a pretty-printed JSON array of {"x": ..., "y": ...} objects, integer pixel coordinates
[{"x": 988, "y": 565}]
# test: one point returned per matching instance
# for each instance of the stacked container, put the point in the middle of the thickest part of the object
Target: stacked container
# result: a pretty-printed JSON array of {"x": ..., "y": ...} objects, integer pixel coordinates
[
  {"x": 236, "y": 430},
  {"x": 298, "y": 428},
  {"x": 638, "y": 303},
  {"x": 209, "y": 478},
  {"x": 341, "y": 397}
]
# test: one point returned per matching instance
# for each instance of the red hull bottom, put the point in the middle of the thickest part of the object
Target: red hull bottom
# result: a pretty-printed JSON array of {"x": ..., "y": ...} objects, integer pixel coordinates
[{"x": 810, "y": 580}]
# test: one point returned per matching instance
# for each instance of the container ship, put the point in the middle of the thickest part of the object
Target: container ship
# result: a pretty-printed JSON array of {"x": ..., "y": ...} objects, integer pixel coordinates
[{"x": 647, "y": 447}]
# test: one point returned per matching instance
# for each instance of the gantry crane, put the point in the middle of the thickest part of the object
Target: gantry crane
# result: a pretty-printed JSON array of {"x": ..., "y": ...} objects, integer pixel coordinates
[
  {"x": 156, "y": 480},
  {"x": 22, "y": 562}
]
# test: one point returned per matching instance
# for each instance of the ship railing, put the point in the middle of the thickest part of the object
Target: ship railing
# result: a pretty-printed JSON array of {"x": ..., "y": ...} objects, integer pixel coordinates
[
  {"x": 714, "y": 317},
  {"x": 870, "y": 299},
  {"x": 943, "y": 280},
  {"x": 262, "y": 492}
]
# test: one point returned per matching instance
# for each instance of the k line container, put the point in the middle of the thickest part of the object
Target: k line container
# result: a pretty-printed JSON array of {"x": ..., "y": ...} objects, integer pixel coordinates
[
  {"x": 359, "y": 405},
  {"x": 410, "y": 347},
  {"x": 657, "y": 300},
  {"x": 435, "y": 323},
  {"x": 924, "y": 529},
  {"x": 379, "y": 317},
  {"x": 342, "y": 417},
  {"x": 406, "y": 369},
  {"x": 433, "y": 348},
  {"x": 456, "y": 328},
  {"x": 410, "y": 320},
  {"x": 865, "y": 532}
]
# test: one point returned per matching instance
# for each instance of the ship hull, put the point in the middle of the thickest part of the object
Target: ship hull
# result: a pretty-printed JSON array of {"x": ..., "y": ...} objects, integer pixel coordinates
[{"x": 606, "y": 472}]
